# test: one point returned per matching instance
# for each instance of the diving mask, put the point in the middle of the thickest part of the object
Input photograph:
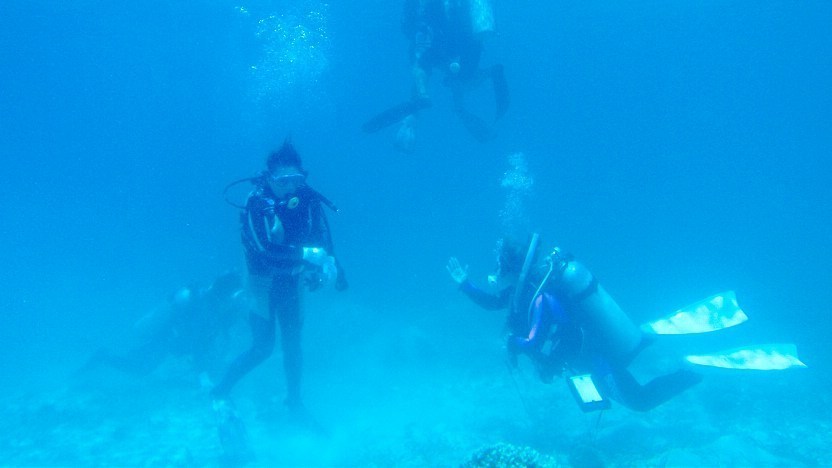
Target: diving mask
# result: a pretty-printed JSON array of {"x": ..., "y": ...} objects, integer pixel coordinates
[{"x": 287, "y": 180}]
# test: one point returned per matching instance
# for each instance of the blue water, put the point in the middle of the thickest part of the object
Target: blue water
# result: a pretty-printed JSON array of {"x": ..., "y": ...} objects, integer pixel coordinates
[{"x": 677, "y": 148}]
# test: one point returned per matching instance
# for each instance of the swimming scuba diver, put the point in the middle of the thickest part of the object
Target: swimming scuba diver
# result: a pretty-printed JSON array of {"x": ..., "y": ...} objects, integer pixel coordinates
[
  {"x": 287, "y": 243},
  {"x": 445, "y": 35},
  {"x": 566, "y": 322}
]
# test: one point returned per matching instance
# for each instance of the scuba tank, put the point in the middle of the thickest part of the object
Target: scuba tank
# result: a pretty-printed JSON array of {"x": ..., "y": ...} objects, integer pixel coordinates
[
  {"x": 475, "y": 16},
  {"x": 608, "y": 331},
  {"x": 482, "y": 17}
]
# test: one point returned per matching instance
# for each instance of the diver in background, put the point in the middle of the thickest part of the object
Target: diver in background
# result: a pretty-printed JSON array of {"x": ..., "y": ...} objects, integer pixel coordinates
[
  {"x": 565, "y": 321},
  {"x": 287, "y": 242},
  {"x": 194, "y": 324},
  {"x": 445, "y": 35}
]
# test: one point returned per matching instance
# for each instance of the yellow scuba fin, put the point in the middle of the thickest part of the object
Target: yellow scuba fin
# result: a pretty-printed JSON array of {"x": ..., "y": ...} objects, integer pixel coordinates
[
  {"x": 714, "y": 313},
  {"x": 764, "y": 357}
]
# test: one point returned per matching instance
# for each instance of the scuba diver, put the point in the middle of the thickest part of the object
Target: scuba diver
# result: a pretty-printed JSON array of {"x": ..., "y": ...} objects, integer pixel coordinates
[
  {"x": 194, "y": 324},
  {"x": 565, "y": 321},
  {"x": 568, "y": 324},
  {"x": 287, "y": 243},
  {"x": 445, "y": 35}
]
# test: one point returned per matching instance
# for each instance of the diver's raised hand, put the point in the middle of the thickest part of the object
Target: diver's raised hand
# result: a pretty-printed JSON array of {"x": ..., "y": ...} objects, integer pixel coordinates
[{"x": 457, "y": 272}]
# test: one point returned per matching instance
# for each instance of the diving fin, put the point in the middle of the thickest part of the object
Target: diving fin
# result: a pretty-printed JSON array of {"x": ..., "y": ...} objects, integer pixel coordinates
[
  {"x": 232, "y": 433},
  {"x": 498, "y": 80},
  {"x": 476, "y": 126},
  {"x": 765, "y": 357},
  {"x": 714, "y": 313},
  {"x": 394, "y": 114}
]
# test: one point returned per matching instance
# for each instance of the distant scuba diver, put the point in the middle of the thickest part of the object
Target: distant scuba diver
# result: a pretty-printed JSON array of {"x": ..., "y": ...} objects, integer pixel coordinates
[
  {"x": 447, "y": 35},
  {"x": 193, "y": 324},
  {"x": 568, "y": 324}
]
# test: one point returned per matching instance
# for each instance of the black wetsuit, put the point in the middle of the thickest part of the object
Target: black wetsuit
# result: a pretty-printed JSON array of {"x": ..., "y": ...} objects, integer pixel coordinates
[
  {"x": 441, "y": 34},
  {"x": 281, "y": 261}
]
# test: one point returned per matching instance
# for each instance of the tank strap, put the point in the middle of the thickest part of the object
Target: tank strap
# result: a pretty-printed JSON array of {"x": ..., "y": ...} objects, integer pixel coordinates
[{"x": 588, "y": 291}]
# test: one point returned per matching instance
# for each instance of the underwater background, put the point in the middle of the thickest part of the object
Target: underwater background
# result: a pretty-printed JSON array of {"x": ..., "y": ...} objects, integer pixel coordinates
[{"x": 678, "y": 149}]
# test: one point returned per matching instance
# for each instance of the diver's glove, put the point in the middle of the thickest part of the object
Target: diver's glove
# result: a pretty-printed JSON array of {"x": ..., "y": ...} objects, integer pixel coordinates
[
  {"x": 457, "y": 272},
  {"x": 329, "y": 272},
  {"x": 315, "y": 255},
  {"x": 323, "y": 276}
]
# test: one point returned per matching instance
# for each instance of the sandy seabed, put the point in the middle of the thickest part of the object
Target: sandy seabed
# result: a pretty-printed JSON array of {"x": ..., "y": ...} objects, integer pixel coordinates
[{"x": 402, "y": 398}]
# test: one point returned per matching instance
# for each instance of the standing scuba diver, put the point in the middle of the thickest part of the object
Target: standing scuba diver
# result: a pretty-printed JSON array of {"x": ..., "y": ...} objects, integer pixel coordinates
[
  {"x": 446, "y": 35},
  {"x": 287, "y": 242},
  {"x": 565, "y": 321}
]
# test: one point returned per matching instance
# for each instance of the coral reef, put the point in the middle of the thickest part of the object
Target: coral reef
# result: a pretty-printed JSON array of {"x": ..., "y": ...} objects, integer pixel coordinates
[{"x": 504, "y": 455}]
